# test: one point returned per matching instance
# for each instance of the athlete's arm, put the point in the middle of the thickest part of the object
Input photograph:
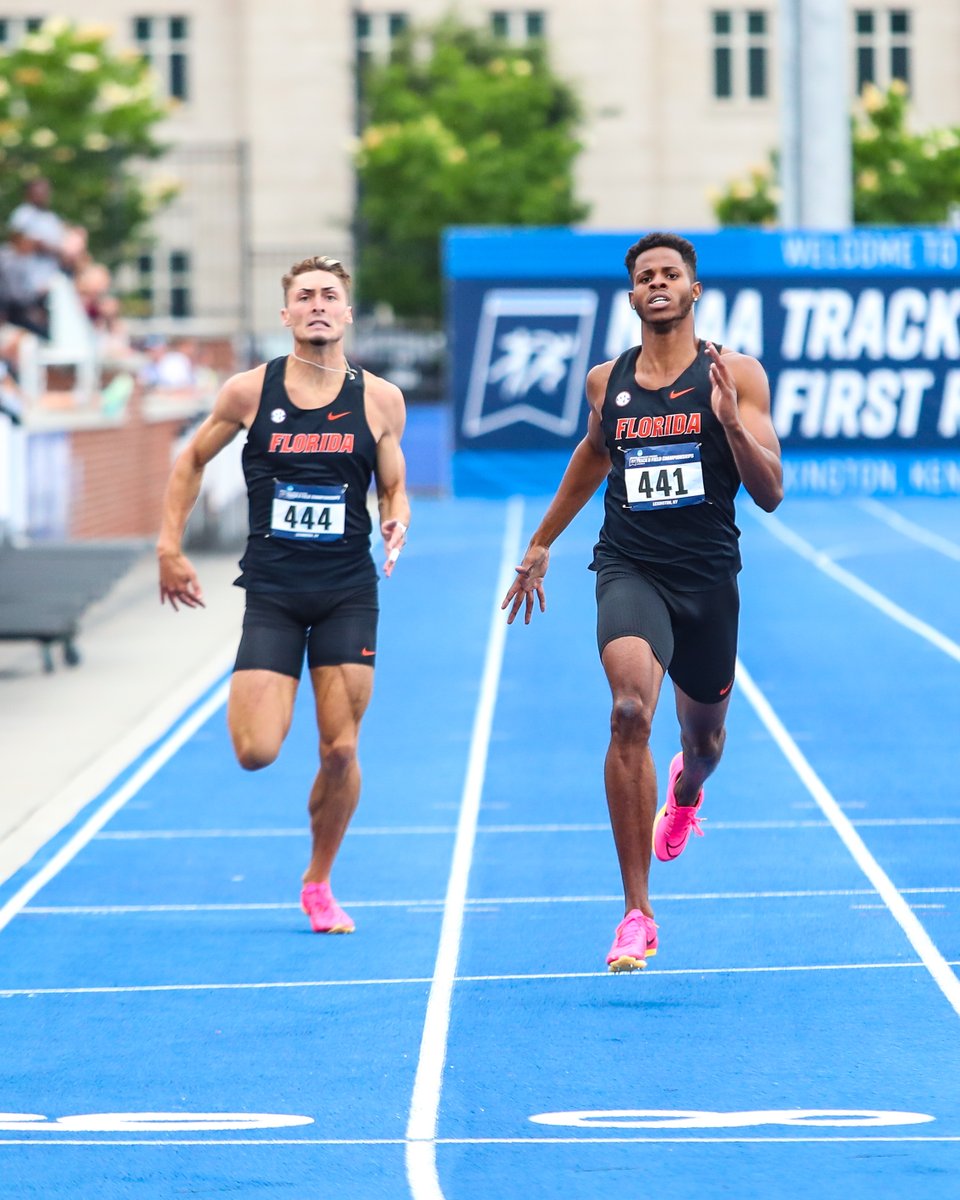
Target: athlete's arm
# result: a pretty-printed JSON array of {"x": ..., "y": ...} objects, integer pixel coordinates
[
  {"x": 741, "y": 403},
  {"x": 587, "y": 469},
  {"x": 388, "y": 416},
  {"x": 233, "y": 409}
]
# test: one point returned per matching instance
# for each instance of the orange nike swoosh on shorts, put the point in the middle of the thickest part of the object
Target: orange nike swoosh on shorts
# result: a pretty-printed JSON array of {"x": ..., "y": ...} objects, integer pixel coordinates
[
  {"x": 367, "y": 653},
  {"x": 337, "y": 416},
  {"x": 677, "y": 395}
]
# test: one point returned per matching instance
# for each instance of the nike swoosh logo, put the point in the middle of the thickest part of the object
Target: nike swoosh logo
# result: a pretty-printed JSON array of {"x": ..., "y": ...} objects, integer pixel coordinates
[
  {"x": 677, "y": 395},
  {"x": 723, "y": 691},
  {"x": 337, "y": 416},
  {"x": 367, "y": 653}
]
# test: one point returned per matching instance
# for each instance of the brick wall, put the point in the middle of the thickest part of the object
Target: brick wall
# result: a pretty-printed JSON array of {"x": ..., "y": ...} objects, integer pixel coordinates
[{"x": 119, "y": 475}]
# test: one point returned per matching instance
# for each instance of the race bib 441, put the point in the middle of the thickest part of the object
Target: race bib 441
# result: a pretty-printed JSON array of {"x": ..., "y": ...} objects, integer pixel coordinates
[{"x": 663, "y": 476}]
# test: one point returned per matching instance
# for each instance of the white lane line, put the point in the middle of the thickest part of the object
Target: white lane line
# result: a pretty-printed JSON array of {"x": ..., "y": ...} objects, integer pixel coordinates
[
  {"x": 910, "y": 529},
  {"x": 148, "y": 835},
  {"x": 883, "y": 907},
  {"x": 877, "y": 822},
  {"x": 19, "y": 846},
  {"x": 824, "y": 563},
  {"x": 149, "y": 988},
  {"x": 917, "y": 936},
  {"x": 92, "y": 826},
  {"x": 521, "y": 977},
  {"x": 49, "y": 1140},
  {"x": 421, "y": 1158},
  {"x": 53, "y": 910}
]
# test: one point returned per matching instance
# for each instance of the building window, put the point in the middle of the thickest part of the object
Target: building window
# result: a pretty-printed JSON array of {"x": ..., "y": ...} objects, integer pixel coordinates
[
  {"x": 376, "y": 33},
  {"x": 881, "y": 46},
  {"x": 163, "y": 286},
  {"x": 518, "y": 26},
  {"x": 741, "y": 53},
  {"x": 13, "y": 29},
  {"x": 163, "y": 42},
  {"x": 144, "y": 289},
  {"x": 180, "y": 298}
]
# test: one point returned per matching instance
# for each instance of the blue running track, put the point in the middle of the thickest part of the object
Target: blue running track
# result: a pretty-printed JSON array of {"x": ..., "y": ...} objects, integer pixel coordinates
[{"x": 170, "y": 1027}]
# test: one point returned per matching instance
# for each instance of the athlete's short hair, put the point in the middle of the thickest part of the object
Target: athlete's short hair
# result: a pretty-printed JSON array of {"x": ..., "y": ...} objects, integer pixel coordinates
[
  {"x": 317, "y": 262},
  {"x": 671, "y": 241}
]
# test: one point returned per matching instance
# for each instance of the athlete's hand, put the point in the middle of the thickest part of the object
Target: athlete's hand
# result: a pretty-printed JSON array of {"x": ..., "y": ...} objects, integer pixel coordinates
[
  {"x": 179, "y": 583},
  {"x": 723, "y": 397},
  {"x": 394, "y": 535},
  {"x": 528, "y": 583}
]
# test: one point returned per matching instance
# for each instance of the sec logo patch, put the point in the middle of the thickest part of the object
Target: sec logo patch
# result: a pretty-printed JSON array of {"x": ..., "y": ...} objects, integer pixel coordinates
[{"x": 621, "y": 399}]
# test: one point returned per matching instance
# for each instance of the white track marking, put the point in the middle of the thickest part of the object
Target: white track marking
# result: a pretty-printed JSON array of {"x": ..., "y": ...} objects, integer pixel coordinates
[
  {"x": 823, "y": 562},
  {"x": 82, "y": 910},
  {"x": 22, "y": 843},
  {"x": 421, "y": 1158},
  {"x": 48, "y": 1141},
  {"x": 149, "y": 835},
  {"x": 293, "y": 984},
  {"x": 110, "y": 807},
  {"x": 917, "y": 936},
  {"x": 910, "y": 529}
]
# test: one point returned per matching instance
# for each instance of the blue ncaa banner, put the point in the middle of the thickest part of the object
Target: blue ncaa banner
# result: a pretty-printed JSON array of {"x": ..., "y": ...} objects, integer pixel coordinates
[{"x": 859, "y": 332}]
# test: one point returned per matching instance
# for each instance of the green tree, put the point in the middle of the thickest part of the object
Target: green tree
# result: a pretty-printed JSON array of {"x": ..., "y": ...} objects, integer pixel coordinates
[
  {"x": 899, "y": 177},
  {"x": 81, "y": 115},
  {"x": 470, "y": 132}
]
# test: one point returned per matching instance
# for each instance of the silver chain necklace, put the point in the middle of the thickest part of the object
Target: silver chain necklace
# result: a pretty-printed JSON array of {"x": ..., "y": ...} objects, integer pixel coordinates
[{"x": 349, "y": 371}]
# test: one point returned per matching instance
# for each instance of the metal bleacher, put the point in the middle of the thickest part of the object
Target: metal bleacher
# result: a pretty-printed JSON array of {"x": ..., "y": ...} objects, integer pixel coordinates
[
  {"x": 45, "y": 589},
  {"x": 46, "y": 586}
]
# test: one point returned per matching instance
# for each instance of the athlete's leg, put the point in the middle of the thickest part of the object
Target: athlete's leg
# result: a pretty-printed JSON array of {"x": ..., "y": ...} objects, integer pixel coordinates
[
  {"x": 342, "y": 694},
  {"x": 706, "y": 628},
  {"x": 259, "y": 712},
  {"x": 635, "y": 676},
  {"x": 265, "y": 679},
  {"x": 702, "y": 737}
]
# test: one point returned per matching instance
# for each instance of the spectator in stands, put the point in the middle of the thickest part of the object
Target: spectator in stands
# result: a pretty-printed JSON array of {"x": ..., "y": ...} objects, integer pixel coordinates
[
  {"x": 170, "y": 367},
  {"x": 11, "y": 403},
  {"x": 93, "y": 286},
  {"x": 39, "y": 244},
  {"x": 113, "y": 336}
]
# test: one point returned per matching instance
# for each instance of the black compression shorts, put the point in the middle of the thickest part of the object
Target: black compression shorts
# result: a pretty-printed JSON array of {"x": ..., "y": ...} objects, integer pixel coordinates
[
  {"x": 334, "y": 627},
  {"x": 692, "y": 634}
]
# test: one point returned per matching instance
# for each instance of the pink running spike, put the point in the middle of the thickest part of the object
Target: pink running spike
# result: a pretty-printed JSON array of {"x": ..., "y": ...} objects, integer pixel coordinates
[
  {"x": 674, "y": 821},
  {"x": 326, "y": 915},
  {"x": 634, "y": 943}
]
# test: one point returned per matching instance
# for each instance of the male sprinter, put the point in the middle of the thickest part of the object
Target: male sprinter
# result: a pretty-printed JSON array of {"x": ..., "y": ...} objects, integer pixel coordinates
[
  {"x": 318, "y": 430},
  {"x": 675, "y": 426}
]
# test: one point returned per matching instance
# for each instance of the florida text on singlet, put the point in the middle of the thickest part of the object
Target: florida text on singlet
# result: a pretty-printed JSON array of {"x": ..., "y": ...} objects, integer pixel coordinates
[
  {"x": 308, "y": 472},
  {"x": 669, "y": 503}
]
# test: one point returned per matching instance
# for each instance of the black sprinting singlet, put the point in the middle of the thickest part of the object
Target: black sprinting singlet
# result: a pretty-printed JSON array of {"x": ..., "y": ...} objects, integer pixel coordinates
[
  {"x": 669, "y": 503},
  {"x": 308, "y": 472}
]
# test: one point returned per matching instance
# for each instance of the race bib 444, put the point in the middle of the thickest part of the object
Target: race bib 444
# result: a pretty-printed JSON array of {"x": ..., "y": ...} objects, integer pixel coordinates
[{"x": 306, "y": 513}]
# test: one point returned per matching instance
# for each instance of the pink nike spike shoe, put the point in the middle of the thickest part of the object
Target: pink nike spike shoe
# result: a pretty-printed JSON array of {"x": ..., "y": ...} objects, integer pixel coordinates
[
  {"x": 326, "y": 915},
  {"x": 635, "y": 941},
  {"x": 674, "y": 822}
]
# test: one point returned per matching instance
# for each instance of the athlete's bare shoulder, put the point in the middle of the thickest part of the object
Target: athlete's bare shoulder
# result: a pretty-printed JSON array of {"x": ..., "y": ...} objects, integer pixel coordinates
[
  {"x": 597, "y": 379},
  {"x": 239, "y": 397},
  {"x": 742, "y": 364},
  {"x": 386, "y": 410},
  {"x": 736, "y": 357},
  {"x": 749, "y": 376}
]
